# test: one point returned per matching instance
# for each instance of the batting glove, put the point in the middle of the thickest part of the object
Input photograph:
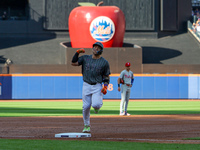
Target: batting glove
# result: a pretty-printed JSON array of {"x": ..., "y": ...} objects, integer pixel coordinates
[
  {"x": 104, "y": 89},
  {"x": 80, "y": 51}
]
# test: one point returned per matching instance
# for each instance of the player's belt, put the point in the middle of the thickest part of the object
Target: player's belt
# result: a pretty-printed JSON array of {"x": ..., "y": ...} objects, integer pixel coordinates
[
  {"x": 92, "y": 83},
  {"x": 128, "y": 84}
]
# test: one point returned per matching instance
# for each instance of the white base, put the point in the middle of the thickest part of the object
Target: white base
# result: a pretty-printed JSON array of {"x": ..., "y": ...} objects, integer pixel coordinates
[{"x": 73, "y": 135}]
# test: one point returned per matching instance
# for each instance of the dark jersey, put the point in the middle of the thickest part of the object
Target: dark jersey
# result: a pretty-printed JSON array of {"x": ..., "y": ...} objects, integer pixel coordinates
[{"x": 93, "y": 70}]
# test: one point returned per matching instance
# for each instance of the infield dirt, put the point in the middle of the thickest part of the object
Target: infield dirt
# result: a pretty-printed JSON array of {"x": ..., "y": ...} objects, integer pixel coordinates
[{"x": 139, "y": 128}]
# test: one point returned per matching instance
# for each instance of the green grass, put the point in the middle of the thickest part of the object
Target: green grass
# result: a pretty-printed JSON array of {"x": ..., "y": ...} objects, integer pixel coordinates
[
  {"x": 194, "y": 138},
  {"x": 64, "y": 108},
  {"x": 69, "y": 108},
  {"x": 17, "y": 144}
]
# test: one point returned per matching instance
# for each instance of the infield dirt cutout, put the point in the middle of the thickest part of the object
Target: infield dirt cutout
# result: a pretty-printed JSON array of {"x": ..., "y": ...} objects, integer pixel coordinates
[{"x": 138, "y": 128}]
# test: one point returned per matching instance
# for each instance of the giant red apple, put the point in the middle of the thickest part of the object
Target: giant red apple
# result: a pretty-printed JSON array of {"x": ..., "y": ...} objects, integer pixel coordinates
[{"x": 89, "y": 24}]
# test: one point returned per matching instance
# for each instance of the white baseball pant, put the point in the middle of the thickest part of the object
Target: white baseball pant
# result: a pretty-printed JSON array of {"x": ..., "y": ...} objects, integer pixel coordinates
[
  {"x": 91, "y": 96},
  {"x": 125, "y": 95}
]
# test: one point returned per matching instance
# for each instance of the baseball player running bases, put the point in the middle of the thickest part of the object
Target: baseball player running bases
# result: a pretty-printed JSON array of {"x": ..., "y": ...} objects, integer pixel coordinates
[
  {"x": 126, "y": 78},
  {"x": 95, "y": 71}
]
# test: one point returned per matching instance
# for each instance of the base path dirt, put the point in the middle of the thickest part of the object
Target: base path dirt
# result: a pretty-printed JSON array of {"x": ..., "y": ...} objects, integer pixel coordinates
[{"x": 140, "y": 128}]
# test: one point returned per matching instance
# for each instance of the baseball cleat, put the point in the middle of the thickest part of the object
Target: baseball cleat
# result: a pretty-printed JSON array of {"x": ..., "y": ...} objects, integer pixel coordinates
[
  {"x": 86, "y": 129},
  {"x": 121, "y": 114},
  {"x": 126, "y": 114},
  {"x": 96, "y": 111}
]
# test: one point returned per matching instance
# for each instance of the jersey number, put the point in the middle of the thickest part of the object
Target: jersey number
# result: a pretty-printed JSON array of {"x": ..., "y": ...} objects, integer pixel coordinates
[{"x": 110, "y": 87}]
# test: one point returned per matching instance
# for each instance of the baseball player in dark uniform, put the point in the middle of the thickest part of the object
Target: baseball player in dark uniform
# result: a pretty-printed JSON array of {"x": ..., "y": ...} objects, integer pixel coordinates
[
  {"x": 126, "y": 78},
  {"x": 95, "y": 71}
]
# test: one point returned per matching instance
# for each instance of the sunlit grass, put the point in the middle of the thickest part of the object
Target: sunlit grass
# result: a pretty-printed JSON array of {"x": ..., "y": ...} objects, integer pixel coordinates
[{"x": 74, "y": 108}]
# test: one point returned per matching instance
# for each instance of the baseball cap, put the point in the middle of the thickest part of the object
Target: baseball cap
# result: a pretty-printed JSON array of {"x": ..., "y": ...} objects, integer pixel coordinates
[{"x": 127, "y": 64}]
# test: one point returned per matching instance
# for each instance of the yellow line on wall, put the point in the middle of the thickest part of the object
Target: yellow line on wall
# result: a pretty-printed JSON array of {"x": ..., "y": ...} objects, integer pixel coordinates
[{"x": 112, "y": 75}]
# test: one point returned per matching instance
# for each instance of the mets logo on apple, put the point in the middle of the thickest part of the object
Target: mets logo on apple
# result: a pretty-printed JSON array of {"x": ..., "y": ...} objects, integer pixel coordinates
[{"x": 102, "y": 29}]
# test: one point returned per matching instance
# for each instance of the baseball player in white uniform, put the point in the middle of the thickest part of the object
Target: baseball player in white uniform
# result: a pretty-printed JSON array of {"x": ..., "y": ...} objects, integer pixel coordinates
[
  {"x": 126, "y": 78},
  {"x": 95, "y": 70}
]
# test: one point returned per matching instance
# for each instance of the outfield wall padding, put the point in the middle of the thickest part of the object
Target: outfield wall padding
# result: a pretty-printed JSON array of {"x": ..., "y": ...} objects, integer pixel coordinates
[
  {"x": 5, "y": 86},
  {"x": 69, "y": 86}
]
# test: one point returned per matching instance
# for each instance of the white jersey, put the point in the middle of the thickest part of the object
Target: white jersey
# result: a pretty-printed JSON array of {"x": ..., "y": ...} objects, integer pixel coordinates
[{"x": 126, "y": 76}]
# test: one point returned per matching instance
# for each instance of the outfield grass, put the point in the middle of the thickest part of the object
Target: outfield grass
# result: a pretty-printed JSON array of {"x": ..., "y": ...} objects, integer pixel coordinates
[{"x": 69, "y": 108}]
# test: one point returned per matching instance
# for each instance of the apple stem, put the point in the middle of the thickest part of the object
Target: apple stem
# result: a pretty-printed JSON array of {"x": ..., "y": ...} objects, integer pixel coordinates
[{"x": 100, "y": 3}]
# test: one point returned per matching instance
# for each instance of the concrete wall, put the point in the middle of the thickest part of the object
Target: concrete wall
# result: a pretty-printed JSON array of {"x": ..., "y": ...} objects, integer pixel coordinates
[
  {"x": 117, "y": 57},
  {"x": 173, "y": 68}
]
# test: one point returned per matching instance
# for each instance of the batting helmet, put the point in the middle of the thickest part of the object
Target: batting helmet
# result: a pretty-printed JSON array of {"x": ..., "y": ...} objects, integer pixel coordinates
[
  {"x": 127, "y": 64},
  {"x": 101, "y": 45}
]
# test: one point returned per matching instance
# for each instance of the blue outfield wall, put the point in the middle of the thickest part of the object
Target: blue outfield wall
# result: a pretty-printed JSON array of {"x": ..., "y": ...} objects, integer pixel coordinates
[
  {"x": 69, "y": 86},
  {"x": 5, "y": 86}
]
